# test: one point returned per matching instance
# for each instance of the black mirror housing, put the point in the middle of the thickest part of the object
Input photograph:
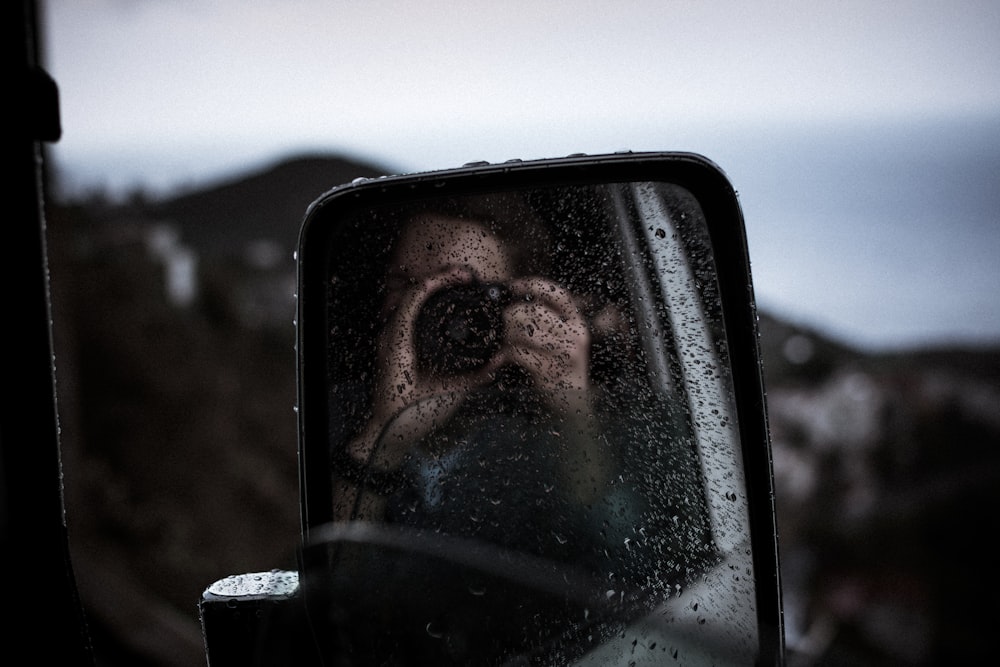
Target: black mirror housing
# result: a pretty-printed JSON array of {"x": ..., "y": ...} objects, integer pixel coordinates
[{"x": 553, "y": 363}]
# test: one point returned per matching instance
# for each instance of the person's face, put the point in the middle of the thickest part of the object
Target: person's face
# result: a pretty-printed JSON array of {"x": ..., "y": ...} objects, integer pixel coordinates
[{"x": 433, "y": 244}]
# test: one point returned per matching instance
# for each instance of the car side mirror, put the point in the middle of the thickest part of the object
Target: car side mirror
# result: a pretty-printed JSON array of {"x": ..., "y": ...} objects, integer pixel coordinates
[{"x": 531, "y": 418}]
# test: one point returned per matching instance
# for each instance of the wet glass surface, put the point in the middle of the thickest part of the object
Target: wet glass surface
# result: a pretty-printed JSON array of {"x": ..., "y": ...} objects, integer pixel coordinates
[{"x": 540, "y": 374}]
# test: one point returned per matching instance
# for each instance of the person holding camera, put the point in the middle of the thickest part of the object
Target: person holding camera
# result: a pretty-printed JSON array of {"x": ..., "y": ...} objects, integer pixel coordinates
[
  {"x": 506, "y": 398},
  {"x": 460, "y": 324}
]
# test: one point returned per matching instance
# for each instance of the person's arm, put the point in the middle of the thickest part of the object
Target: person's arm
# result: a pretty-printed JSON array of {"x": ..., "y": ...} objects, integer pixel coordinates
[
  {"x": 548, "y": 335},
  {"x": 407, "y": 404}
]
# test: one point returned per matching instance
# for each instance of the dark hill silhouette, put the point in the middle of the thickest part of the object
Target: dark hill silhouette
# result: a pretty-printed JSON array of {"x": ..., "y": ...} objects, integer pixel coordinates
[
  {"x": 264, "y": 205},
  {"x": 793, "y": 353}
]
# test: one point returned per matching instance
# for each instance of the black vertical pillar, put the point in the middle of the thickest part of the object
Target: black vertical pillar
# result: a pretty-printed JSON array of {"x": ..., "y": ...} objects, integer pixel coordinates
[{"x": 43, "y": 618}]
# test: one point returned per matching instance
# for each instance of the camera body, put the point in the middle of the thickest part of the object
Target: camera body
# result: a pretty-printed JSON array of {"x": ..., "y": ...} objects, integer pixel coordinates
[{"x": 460, "y": 327}]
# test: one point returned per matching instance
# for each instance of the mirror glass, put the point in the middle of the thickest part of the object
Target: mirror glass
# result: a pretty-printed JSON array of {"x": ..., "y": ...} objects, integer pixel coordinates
[{"x": 531, "y": 430}]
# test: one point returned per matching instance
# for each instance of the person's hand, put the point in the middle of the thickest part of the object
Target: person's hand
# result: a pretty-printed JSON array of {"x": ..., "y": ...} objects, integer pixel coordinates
[
  {"x": 410, "y": 402},
  {"x": 547, "y": 335}
]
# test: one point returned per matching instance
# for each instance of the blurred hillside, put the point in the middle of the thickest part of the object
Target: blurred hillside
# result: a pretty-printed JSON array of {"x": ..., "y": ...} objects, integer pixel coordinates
[
  {"x": 886, "y": 471},
  {"x": 175, "y": 352},
  {"x": 174, "y": 342}
]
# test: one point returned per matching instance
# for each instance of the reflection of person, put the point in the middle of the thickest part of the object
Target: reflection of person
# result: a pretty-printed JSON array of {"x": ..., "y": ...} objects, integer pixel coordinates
[
  {"x": 558, "y": 443},
  {"x": 544, "y": 333}
]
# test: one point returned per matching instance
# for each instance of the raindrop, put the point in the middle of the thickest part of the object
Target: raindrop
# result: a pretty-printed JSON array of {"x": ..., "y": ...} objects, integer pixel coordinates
[{"x": 434, "y": 631}]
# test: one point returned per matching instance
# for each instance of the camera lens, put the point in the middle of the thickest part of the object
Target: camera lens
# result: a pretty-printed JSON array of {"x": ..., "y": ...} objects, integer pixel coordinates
[{"x": 460, "y": 328}]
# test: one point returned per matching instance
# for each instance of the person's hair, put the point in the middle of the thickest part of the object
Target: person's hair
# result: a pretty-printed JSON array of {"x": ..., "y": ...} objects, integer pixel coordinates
[{"x": 508, "y": 216}]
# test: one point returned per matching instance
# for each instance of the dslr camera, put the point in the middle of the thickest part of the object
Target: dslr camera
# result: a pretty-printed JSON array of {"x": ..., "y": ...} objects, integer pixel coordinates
[{"x": 460, "y": 328}]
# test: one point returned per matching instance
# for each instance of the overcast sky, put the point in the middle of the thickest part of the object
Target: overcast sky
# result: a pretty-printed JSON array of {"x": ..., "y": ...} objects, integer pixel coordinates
[{"x": 863, "y": 137}]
